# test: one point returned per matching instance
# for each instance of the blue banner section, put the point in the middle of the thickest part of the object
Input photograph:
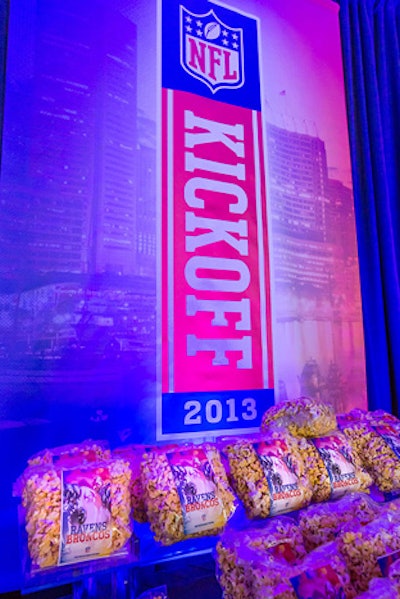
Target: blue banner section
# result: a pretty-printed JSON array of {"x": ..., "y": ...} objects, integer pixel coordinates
[
  {"x": 210, "y": 51},
  {"x": 214, "y": 411}
]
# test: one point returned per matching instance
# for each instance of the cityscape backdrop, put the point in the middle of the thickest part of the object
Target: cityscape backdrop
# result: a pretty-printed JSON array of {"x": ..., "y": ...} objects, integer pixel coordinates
[
  {"x": 78, "y": 209},
  {"x": 78, "y": 205}
]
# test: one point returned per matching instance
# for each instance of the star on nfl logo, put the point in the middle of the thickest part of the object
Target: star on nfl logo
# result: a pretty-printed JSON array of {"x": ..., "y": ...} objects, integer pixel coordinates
[{"x": 210, "y": 50}]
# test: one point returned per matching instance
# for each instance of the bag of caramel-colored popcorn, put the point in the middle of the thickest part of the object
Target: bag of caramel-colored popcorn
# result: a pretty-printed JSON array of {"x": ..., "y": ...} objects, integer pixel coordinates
[
  {"x": 333, "y": 466},
  {"x": 303, "y": 417},
  {"x": 265, "y": 576},
  {"x": 378, "y": 444},
  {"x": 279, "y": 538},
  {"x": 323, "y": 573},
  {"x": 320, "y": 523},
  {"x": 186, "y": 492},
  {"x": 76, "y": 513},
  {"x": 267, "y": 472},
  {"x": 72, "y": 454},
  {"x": 367, "y": 548}
]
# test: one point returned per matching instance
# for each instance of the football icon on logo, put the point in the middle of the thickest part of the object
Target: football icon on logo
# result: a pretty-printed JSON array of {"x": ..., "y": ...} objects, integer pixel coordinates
[
  {"x": 211, "y": 50},
  {"x": 212, "y": 30}
]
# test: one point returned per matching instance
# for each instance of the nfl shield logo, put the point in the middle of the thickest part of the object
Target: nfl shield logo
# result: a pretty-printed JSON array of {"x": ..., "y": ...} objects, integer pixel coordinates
[{"x": 210, "y": 50}]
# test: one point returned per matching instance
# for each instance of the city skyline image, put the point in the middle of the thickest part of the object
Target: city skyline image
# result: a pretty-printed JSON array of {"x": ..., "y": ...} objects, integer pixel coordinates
[{"x": 79, "y": 201}]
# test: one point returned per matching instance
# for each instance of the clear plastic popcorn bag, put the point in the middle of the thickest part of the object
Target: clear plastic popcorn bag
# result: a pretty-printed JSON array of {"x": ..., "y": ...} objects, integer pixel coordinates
[
  {"x": 74, "y": 514},
  {"x": 267, "y": 472},
  {"x": 365, "y": 548},
  {"x": 333, "y": 466},
  {"x": 323, "y": 571},
  {"x": 279, "y": 538},
  {"x": 321, "y": 522},
  {"x": 303, "y": 417},
  {"x": 186, "y": 493}
]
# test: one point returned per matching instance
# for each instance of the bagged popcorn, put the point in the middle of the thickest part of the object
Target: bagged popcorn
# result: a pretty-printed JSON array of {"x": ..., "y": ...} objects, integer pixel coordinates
[
  {"x": 303, "y": 417},
  {"x": 320, "y": 523},
  {"x": 264, "y": 572},
  {"x": 76, "y": 513},
  {"x": 322, "y": 573},
  {"x": 267, "y": 473},
  {"x": 186, "y": 492},
  {"x": 333, "y": 466},
  {"x": 279, "y": 538},
  {"x": 379, "y": 447},
  {"x": 363, "y": 547}
]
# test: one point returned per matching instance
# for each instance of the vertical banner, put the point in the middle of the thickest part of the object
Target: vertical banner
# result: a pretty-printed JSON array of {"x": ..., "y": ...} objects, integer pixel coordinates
[{"x": 217, "y": 371}]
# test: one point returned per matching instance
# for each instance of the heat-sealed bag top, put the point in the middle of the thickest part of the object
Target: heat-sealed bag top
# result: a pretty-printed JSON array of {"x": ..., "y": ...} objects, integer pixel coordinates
[
  {"x": 186, "y": 492},
  {"x": 74, "y": 514},
  {"x": 321, "y": 522},
  {"x": 267, "y": 472},
  {"x": 303, "y": 417},
  {"x": 279, "y": 538},
  {"x": 333, "y": 466},
  {"x": 72, "y": 454}
]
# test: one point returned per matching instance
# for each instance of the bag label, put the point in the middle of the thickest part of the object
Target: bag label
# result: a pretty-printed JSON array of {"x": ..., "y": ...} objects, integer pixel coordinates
[
  {"x": 391, "y": 437},
  {"x": 336, "y": 455},
  {"x": 86, "y": 531},
  {"x": 202, "y": 509},
  {"x": 281, "y": 477},
  {"x": 284, "y": 550},
  {"x": 319, "y": 582}
]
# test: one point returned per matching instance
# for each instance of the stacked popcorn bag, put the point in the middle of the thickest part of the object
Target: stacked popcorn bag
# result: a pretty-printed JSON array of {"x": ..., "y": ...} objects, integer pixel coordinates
[
  {"x": 79, "y": 501},
  {"x": 279, "y": 539},
  {"x": 267, "y": 472},
  {"x": 376, "y": 436},
  {"x": 75, "y": 504},
  {"x": 321, "y": 523},
  {"x": 186, "y": 492},
  {"x": 322, "y": 573}
]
